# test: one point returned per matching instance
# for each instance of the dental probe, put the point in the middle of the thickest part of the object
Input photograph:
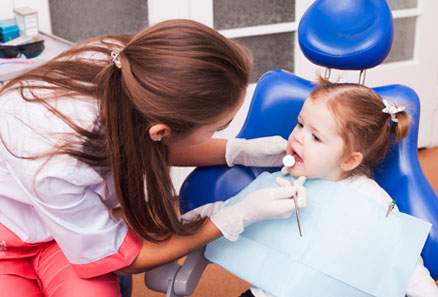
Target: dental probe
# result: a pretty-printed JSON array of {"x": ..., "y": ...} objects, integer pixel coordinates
[{"x": 289, "y": 161}]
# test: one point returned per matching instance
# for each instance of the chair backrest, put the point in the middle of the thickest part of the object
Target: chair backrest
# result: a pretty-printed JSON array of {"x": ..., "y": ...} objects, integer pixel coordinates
[{"x": 342, "y": 34}]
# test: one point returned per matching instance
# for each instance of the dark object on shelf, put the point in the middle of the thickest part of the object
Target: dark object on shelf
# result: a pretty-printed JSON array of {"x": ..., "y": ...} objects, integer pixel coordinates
[{"x": 29, "y": 50}]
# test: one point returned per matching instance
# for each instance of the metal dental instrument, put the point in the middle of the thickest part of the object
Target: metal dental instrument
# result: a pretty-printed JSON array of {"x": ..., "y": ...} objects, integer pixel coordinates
[
  {"x": 390, "y": 208},
  {"x": 297, "y": 213},
  {"x": 289, "y": 161}
]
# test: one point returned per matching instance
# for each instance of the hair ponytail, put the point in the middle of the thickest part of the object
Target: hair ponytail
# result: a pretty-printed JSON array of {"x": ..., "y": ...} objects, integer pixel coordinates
[
  {"x": 401, "y": 127},
  {"x": 139, "y": 165}
]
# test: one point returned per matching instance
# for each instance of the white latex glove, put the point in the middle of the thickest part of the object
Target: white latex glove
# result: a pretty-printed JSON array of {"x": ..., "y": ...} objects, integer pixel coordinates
[
  {"x": 260, "y": 152},
  {"x": 206, "y": 210},
  {"x": 301, "y": 196},
  {"x": 264, "y": 204}
]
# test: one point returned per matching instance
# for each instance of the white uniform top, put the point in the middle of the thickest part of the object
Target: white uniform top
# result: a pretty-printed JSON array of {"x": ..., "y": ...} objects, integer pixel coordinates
[
  {"x": 421, "y": 283},
  {"x": 62, "y": 199}
]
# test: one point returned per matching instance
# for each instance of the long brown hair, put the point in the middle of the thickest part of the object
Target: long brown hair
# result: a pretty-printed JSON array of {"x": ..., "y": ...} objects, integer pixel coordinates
[
  {"x": 180, "y": 73},
  {"x": 361, "y": 123}
]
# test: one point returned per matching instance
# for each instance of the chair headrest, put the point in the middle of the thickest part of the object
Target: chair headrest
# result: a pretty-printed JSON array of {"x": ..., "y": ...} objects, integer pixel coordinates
[{"x": 346, "y": 34}]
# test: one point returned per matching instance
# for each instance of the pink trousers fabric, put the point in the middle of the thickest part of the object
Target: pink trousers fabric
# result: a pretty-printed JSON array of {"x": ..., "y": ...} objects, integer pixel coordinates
[{"x": 42, "y": 270}]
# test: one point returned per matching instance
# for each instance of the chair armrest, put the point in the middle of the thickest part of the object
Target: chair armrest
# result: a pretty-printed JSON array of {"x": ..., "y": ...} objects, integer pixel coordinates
[
  {"x": 188, "y": 275},
  {"x": 161, "y": 278},
  {"x": 182, "y": 278}
]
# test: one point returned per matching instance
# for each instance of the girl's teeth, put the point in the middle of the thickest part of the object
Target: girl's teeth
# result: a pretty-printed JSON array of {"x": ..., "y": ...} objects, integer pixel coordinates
[{"x": 297, "y": 158}]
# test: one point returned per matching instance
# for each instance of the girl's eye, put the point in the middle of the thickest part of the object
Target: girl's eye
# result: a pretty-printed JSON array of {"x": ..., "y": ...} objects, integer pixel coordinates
[
  {"x": 299, "y": 124},
  {"x": 316, "y": 138}
]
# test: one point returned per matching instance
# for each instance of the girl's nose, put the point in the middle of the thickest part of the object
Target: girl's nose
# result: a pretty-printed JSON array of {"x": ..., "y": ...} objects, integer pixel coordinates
[{"x": 298, "y": 136}]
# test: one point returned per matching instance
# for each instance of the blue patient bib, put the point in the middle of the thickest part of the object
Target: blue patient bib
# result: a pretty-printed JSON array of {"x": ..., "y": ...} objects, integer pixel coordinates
[{"x": 349, "y": 247}]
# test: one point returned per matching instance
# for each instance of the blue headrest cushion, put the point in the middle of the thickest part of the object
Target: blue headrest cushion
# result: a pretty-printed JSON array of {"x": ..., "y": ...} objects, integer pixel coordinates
[{"x": 346, "y": 34}]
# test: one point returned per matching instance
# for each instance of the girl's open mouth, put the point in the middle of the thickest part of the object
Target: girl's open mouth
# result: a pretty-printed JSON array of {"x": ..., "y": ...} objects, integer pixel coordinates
[{"x": 298, "y": 159}]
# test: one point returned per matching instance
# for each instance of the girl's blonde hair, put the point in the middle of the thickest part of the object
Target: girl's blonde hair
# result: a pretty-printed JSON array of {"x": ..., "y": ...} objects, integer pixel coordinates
[{"x": 362, "y": 124}]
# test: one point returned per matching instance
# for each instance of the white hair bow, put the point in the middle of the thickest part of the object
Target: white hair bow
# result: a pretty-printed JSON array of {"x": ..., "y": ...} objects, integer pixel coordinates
[{"x": 392, "y": 109}]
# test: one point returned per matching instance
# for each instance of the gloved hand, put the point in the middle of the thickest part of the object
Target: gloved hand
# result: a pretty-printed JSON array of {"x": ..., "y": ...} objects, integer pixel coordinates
[
  {"x": 264, "y": 204},
  {"x": 206, "y": 210},
  {"x": 260, "y": 152},
  {"x": 301, "y": 196}
]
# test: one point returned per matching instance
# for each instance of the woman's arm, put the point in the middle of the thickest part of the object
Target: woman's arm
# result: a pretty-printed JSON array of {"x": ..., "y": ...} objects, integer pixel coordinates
[
  {"x": 261, "y": 152},
  {"x": 229, "y": 220},
  {"x": 209, "y": 153},
  {"x": 155, "y": 254}
]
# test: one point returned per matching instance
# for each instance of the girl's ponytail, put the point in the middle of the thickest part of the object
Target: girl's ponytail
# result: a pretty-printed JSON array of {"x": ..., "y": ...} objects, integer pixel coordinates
[{"x": 401, "y": 127}]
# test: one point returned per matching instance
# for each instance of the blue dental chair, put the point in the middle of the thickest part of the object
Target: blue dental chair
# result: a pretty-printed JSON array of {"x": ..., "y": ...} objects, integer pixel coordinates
[{"x": 340, "y": 34}]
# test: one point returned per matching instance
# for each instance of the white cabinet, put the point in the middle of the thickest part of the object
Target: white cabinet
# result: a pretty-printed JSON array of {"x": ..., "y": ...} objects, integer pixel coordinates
[{"x": 42, "y": 6}]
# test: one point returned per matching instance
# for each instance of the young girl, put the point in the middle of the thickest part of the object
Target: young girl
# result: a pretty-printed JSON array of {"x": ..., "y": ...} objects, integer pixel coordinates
[
  {"x": 99, "y": 126},
  {"x": 344, "y": 130}
]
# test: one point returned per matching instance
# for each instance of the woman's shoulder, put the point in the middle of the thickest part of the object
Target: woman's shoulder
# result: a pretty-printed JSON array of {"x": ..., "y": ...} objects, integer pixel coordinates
[
  {"x": 29, "y": 126},
  {"x": 24, "y": 105},
  {"x": 29, "y": 133}
]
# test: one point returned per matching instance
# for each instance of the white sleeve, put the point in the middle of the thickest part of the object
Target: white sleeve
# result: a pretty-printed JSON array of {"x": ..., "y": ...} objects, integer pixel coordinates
[
  {"x": 421, "y": 283},
  {"x": 61, "y": 190}
]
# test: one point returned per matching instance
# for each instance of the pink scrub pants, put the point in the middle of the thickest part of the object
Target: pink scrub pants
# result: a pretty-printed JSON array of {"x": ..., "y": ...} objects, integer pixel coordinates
[{"x": 32, "y": 270}]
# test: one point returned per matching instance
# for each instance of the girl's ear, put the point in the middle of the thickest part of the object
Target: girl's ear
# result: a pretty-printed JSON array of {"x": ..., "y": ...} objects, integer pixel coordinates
[
  {"x": 158, "y": 131},
  {"x": 351, "y": 162}
]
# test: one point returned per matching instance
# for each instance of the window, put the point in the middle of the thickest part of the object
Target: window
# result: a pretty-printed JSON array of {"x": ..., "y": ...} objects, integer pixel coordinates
[
  {"x": 81, "y": 19},
  {"x": 405, "y": 13},
  {"x": 266, "y": 28}
]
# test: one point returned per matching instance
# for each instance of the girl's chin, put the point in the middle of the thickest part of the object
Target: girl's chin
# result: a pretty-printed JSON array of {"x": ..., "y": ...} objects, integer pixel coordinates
[{"x": 294, "y": 171}]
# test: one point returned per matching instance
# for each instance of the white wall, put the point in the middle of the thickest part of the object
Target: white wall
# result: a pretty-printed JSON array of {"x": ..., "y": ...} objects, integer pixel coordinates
[
  {"x": 42, "y": 6},
  {"x": 6, "y": 9}
]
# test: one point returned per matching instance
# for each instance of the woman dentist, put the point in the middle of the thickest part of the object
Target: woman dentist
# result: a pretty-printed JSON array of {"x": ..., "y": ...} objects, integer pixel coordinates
[{"x": 100, "y": 126}]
